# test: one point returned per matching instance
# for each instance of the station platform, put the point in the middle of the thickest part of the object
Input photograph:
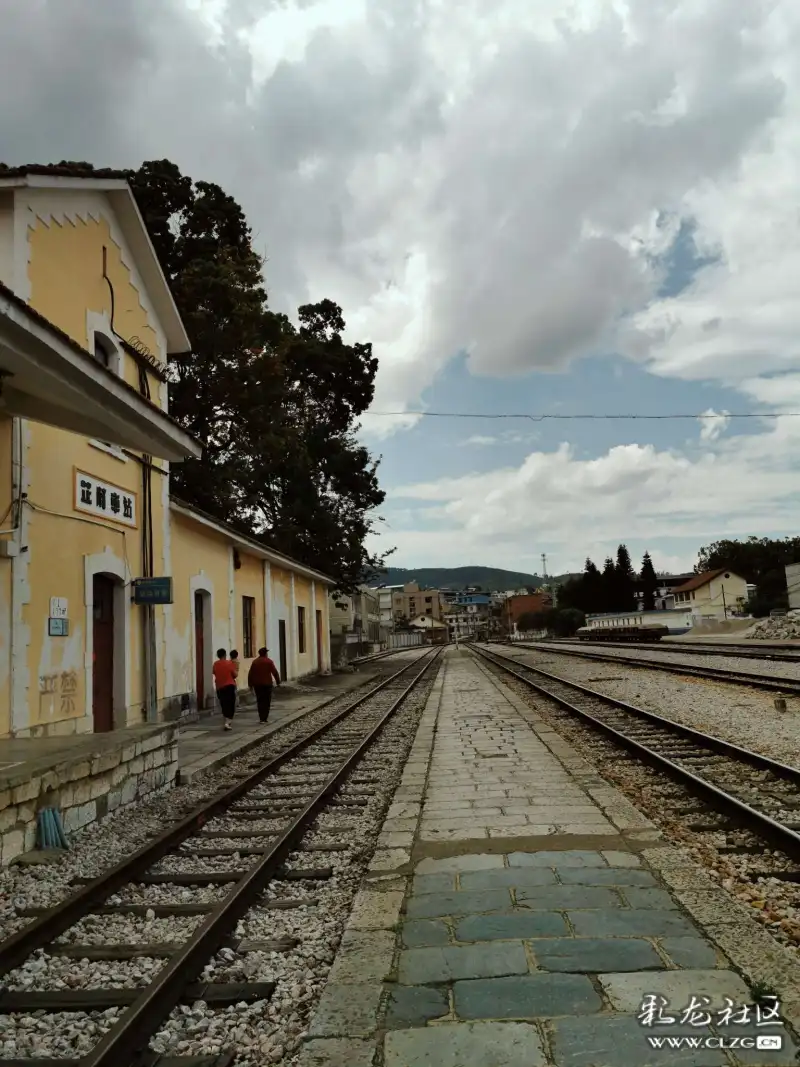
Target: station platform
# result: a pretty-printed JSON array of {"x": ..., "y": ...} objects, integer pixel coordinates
[
  {"x": 87, "y": 776},
  {"x": 521, "y": 912}
]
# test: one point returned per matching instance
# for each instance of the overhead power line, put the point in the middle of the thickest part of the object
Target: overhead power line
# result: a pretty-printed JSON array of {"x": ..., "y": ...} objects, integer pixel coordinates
[{"x": 541, "y": 418}]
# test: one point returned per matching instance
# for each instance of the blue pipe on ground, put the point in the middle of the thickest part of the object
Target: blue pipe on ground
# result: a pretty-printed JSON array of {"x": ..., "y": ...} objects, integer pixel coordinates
[{"x": 50, "y": 832}]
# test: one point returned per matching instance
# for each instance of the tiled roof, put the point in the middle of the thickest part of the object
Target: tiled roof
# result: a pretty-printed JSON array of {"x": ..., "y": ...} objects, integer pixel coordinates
[
  {"x": 65, "y": 169},
  {"x": 701, "y": 579}
]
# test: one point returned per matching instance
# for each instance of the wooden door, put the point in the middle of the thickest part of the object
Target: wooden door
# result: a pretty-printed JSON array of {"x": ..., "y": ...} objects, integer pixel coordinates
[
  {"x": 199, "y": 650},
  {"x": 319, "y": 640},
  {"x": 103, "y": 657},
  {"x": 282, "y": 648}
]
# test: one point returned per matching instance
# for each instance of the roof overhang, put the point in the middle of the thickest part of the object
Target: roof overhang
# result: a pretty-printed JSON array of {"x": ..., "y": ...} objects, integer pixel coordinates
[
  {"x": 47, "y": 378},
  {"x": 133, "y": 227},
  {"x": 253, "y": 548}
]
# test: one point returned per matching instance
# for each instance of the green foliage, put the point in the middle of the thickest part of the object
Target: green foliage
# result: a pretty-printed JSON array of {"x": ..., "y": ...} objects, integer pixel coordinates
[
  {"x": 760, "y": 560},
  {"x": 649, "y": 582},
  {"x": 275, "y": 407}
]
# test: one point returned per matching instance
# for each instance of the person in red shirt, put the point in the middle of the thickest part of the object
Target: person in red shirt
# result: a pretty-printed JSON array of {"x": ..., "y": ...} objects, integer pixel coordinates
[
  {"x": 225, "y": 680},
  {"x": 259, "y": 678}
]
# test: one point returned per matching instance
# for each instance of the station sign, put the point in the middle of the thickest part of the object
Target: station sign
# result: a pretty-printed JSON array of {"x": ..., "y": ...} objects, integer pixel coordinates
[{"x": 152, "y": 590}]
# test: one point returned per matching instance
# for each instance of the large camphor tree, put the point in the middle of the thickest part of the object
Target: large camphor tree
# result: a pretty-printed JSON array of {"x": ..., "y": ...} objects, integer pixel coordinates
[{"x": 276, "y": 406}]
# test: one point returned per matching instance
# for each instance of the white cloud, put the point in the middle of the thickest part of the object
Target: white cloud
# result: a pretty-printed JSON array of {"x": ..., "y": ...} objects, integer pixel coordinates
[
  {"x": 481, "y": 439},
  {"x": 569, "y": 506},
  {"x": 713, "y": 424}
]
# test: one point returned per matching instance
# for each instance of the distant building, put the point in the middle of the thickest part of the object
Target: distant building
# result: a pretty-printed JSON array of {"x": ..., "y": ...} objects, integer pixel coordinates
[
  {"x": 518, "y": 605},
  {"x": 470, "y": 615},
  {"x": 411, "y": 601},
  {"x": 664, "y": 599},
  {"x": 793, "y": 585},
  {"x": 717, "y": 594}
]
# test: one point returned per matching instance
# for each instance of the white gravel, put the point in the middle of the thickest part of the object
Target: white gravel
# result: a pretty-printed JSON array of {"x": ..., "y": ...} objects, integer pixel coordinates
[
  {"x": 130, "y": 930},
  {"x": 66, "y": 1035},
  {"x": 45, "y": 972},
  {"x": 266, "y": 1032},
  {"x": 775, "y": 903},
  {"x": 732, "y": 662},
  {"x": 743, "y": 716}
]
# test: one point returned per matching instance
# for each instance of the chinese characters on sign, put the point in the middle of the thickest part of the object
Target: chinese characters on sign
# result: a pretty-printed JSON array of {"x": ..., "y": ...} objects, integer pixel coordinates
[
  {"x": 652, "y": 1012},
  {"x": 104, "y": 500}
]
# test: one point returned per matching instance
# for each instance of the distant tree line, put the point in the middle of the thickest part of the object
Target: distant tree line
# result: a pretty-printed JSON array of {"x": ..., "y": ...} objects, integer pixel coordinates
[
  {"x": 595, "y": 592},
  {"x": 610, "y": 589},
  {"x": 760, "y": 561}
]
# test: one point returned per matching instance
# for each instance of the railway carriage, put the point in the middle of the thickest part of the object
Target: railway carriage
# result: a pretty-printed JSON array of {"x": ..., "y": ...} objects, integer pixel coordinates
[{"x": 622, "y": 633}]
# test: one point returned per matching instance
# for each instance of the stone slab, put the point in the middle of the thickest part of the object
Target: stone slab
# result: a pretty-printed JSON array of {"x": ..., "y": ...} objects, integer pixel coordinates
[
  {"x": 587, "y": 955},
  {"x": 427, "y": 966},
  {"x": 526, "y": 997},
  {"x": 512, "y": 925},
  {"x": 622, "y": 876},
  {"x": 489, "y": 1044},
  {"x": 508, "y": 877},
  {"x": 551, "y": 898},
  {"x": 431, "y": 906},
  {"x": 567, "y": 858},
  {"x": 690, "y": 951},
  {"x": 337, "y": 1052},
  {"x": 627, "y": 922},
  {"x": 626, "y": 992},
  {"x": 619, "y": 1041},
  {"x": 420, "y": 933},
  {"x": 479, "y": 862},
  {"x": 346, "y": 1011},
  {"x": 415, "y": 1006}
]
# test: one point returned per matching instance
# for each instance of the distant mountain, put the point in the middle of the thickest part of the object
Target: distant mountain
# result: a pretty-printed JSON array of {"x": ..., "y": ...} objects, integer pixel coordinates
[{"x": 488, "y": 578}]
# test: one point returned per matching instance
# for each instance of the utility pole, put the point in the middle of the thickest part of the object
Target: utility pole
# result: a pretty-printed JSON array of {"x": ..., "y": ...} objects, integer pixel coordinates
[
  {"x": 724, "y": 605},
  {"x": 544, "y": 568}
]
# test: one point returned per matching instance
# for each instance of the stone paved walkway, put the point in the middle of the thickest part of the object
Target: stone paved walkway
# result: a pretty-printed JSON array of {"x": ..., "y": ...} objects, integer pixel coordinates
[{"x": 540, "y": 953}]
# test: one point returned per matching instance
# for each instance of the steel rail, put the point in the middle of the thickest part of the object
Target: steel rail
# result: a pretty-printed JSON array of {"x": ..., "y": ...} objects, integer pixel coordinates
[
  {"x": 766, "y": 827},
  {"x": 15, "y": 949},
  {"x": 716, "y": 674},
  {"x": 694, "y": 649},
  {"x": 128, "y": 1038}
]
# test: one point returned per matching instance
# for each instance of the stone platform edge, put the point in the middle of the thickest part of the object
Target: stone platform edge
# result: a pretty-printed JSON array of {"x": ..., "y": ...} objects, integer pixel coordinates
[
  {"x": 88, "y": 786},
  {"x": 346, "y": 1031}
]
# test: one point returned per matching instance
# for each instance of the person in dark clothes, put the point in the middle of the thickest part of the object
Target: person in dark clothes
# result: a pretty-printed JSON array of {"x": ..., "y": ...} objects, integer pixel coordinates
[
  {"x": 225, "y": 681},
  {"x": 259, "y": 678}
]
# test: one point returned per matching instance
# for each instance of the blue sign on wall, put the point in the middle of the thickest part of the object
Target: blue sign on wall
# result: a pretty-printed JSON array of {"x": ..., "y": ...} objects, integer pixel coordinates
[
  {"x": 58, "y": 627},
  {"x": 152, "y": 590}
]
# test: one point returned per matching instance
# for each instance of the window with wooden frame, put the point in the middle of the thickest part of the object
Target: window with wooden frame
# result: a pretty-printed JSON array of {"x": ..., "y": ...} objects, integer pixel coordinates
[
  {"x": 249, "y": 626},
  {"x": 301, "y": 630}
]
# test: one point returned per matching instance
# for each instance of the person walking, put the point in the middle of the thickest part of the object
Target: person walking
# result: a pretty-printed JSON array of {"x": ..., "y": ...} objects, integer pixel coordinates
[
  {"x": 259, "y": 678},
  {"x": 225, "y": 682}
]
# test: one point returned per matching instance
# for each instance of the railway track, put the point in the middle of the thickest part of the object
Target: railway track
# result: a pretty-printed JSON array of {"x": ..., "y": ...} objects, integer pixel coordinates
[
  {"x": 746, "y": 788},
  {"x": 245, "y": 847},
  {"x": 771, "y": 652},
  {"x": 716, "y": 674}
]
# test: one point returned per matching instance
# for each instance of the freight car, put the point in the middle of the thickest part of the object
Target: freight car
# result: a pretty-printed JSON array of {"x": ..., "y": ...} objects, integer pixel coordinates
[{"x": 622, "y": 633}]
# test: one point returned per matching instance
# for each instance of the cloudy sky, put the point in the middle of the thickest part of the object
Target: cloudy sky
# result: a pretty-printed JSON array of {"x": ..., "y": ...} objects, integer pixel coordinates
[{"x": 529, "y": 208}]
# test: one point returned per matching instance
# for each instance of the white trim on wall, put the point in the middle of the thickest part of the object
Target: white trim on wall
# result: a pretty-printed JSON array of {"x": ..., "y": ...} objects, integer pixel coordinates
[
  {"x": 106, "y": 562},
  {"x": 268, "y": 613},
  {"x": 230, "y": 643},
  {"x": 293, "y": 637},
  {"x": 20, "y": 585},
  {"x": 201, "y": 583},
  {"x": 313, "y": 622}
]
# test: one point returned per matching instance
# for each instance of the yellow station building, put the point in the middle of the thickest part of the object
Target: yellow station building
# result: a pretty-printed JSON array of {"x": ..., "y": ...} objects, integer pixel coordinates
[{"x": 87, "y": 323}]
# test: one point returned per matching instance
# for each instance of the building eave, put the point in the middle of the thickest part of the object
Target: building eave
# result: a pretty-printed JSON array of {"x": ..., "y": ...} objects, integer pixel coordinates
[
  {"x": 132, "y": 224},
  {"x": 247, "y": 544},
  {"x": 48, "y": 377}
]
